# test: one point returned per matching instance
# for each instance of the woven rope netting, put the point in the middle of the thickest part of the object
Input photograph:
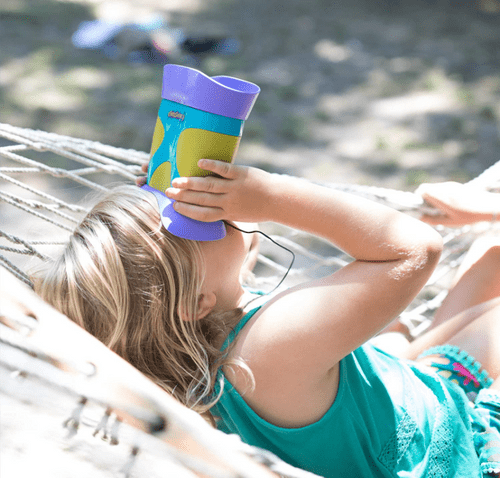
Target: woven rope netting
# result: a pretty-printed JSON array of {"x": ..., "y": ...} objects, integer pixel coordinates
[
  {"x": 47, "y": 179},
  {"x": 47, "y": 184},
  {"x": 52, "y": 374}
]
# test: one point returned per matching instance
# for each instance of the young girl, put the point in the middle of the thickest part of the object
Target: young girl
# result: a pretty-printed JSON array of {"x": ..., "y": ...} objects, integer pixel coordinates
[{"x": 290, "y": 375}]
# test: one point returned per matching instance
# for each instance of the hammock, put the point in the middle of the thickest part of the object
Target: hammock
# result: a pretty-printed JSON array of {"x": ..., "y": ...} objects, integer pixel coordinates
[
  {"x": 47, "y": 179},
  {"x": 46, "y": 183}
]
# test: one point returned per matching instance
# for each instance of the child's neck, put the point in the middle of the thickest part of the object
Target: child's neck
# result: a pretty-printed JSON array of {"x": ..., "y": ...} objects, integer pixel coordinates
[
  {"x": 246, "y": 303},
  {"x": 246, "y": 298}
]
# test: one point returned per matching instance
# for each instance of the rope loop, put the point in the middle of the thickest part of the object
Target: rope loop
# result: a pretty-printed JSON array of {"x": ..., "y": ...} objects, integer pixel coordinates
[{"x": 41, "y": 147}]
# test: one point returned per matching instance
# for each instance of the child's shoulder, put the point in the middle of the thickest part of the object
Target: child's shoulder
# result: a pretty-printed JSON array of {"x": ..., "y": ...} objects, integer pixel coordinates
[{"x": 280, "y": 368}]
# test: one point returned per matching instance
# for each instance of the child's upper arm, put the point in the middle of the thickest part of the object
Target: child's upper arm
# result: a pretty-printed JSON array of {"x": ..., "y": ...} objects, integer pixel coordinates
[{"x": 308, "y": 329}]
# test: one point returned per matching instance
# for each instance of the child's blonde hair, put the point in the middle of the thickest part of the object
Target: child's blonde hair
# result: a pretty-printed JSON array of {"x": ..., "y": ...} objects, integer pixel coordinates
[{"x": 131, "y": 284}]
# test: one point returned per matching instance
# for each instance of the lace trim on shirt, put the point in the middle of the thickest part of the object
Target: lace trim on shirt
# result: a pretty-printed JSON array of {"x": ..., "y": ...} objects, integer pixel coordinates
[
  {"x": 442, "y": 444},
  {"x": 397, "y": 445}
]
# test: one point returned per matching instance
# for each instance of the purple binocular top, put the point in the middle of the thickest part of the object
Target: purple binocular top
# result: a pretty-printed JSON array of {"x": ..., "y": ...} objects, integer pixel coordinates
[{"x": 220, "y": 95}]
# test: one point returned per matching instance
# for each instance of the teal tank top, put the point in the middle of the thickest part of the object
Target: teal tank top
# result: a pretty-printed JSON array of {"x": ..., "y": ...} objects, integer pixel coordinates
[{"x": 390, "y": 418}]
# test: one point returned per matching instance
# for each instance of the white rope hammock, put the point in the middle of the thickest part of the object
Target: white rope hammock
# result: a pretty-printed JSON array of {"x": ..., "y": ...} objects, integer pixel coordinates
[
  {"x": 45, "y": 183},
  {"x": 38, "y": 213}
]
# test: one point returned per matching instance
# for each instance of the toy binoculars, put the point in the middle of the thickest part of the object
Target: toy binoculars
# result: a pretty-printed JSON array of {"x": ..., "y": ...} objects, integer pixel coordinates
[{"x": 199, "y": 117}]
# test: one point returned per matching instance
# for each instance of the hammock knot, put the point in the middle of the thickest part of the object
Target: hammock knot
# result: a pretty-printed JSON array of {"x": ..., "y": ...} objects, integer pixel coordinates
[
  {"x": 39, "y": 146},
  {"x": 59, "y": 173}
]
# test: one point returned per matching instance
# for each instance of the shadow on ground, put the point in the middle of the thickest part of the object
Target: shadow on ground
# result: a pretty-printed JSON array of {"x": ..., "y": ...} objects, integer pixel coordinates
[{"x": 391, "y": 93}]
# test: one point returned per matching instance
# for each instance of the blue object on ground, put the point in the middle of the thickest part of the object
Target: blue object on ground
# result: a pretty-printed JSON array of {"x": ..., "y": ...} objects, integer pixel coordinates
[{"x": 136, "y": 43}]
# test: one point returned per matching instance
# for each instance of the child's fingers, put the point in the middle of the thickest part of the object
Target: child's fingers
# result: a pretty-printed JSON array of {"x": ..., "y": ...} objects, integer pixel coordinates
[
  {"x": 433, "y": 200},
  {"x": 207, "y": 184},
  {"x": 189, "y": 196},
  {"x": 444, "y": 196},
  {"x": 140, "y": 181},
  {"x": 435, "y": 196},
  {"x": 438, "y": 203},
  {"x": 199, "y": 213},
  {"x": 221, "y": 168},
  {"x": 435, "y": 220}
]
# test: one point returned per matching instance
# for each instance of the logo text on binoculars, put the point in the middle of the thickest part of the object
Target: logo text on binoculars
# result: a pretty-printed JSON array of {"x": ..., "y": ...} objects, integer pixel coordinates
[{"x": 176, "y": 115}]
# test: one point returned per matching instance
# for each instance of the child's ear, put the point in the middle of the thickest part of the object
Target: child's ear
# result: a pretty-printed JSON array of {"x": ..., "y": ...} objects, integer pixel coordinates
[{"x": 206, "y": 303}]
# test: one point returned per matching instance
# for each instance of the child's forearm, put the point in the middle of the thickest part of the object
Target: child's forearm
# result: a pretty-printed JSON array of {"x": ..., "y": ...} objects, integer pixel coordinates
[{"x": 364, "y": 229}]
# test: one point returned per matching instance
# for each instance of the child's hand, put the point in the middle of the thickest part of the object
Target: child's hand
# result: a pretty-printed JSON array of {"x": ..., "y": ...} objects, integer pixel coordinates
[
  {"x": 236, "y": 193},
  {"x": 141, "y": 180},
  {"x": 458, "y": 204}
]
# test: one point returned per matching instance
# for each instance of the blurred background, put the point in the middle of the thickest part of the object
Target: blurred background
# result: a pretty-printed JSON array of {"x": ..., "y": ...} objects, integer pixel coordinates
[{"x": 390, "y": 93}]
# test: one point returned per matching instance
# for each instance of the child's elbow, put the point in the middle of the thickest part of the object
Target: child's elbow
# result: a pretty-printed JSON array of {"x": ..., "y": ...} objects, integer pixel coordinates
[
  {"x": 421, "y": 256},
  {"x": 431, "y": 248}
]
